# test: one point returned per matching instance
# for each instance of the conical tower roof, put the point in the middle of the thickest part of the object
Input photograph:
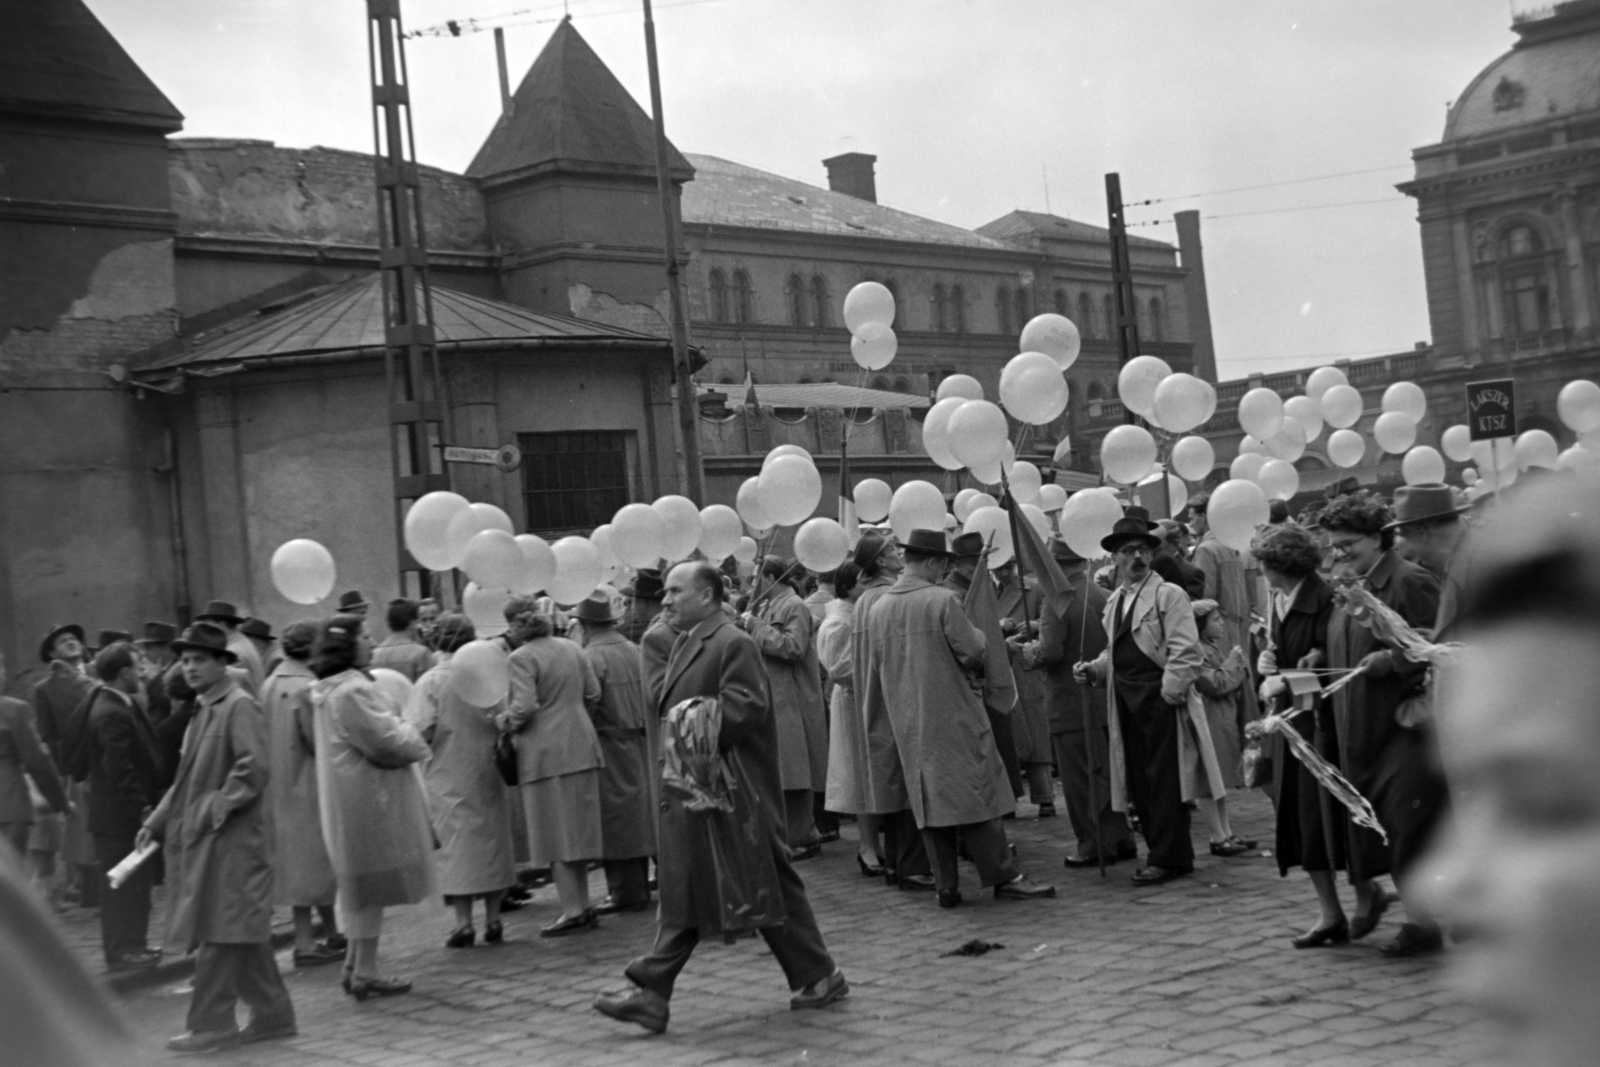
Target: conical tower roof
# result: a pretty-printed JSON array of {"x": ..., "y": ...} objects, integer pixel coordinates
[
  {"x": 57, "y": 60},
  {"x": 571, "y": 113}
]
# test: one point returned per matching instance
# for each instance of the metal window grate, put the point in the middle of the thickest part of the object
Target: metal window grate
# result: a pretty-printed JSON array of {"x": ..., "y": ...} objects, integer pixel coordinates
[{"x": 576, "y": 481}]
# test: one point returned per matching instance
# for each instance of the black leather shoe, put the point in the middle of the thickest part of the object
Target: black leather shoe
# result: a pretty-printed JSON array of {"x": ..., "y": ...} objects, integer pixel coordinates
[
  {"x": 249, "y": 1035},
  {"x": 203, "y": 1040},
  {"x": 584, "y": 920},
  {"x": 140, "y": 960},
  {"x": 1047, "y": 811},
  {"x": 1412, "y": 940},
  {"x": 1087, "y": 861},
  {"x": 1127, "y": 851},
  {"x": 461, "y": 937},
  {"x": 318, "y": 956},
  {"x": 641, "y": 1006},
  {"x": 1023, "y": 889},
  {"x": 949, "y": 898},
  {"x": 1337, "y": 934},
  {"x": 494, "y": 933},
  {"x": 821, "y": 994},
  {"x": 805, "y": 852},
  {"x": 918, "y": 882},
  {"x": 869, "y": 870},
  {"x": 612, "y": 906},
  {"x": 1368, "y": 920},
  {"x": 1154, "y": 875},
  {"x": 1229, "y": 847}
]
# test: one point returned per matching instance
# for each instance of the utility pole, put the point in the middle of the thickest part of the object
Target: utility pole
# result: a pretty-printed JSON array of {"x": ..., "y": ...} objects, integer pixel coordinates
[
  {"x": 688, "y": 403},
  {"x": 417, "y": 416},
  {"x": 1127, "y": 325}
]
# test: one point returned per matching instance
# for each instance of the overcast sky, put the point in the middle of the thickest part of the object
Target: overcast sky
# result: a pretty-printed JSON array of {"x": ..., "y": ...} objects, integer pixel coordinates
[{"x": 968, "y": 107}]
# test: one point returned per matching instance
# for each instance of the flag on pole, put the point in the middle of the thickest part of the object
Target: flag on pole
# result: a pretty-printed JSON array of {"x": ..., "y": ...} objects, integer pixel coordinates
[
  {"x": 983, "y": 611},
  {"x": 1034, "y": 559},
  {"x": 847, "y": 499},
  {"x": 750, "y": 399}
]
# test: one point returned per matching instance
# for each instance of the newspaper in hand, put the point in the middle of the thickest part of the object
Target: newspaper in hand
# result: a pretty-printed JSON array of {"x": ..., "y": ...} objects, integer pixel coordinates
[{"x": 130, "y": 863}]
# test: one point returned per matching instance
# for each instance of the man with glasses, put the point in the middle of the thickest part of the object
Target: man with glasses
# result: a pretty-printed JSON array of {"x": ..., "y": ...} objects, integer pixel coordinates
[{"x": 1153, "y": 658}]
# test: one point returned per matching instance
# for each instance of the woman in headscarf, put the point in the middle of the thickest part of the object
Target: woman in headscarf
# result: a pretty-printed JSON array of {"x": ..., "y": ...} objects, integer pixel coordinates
[
  {"x": 470, "y": 806},
  {"x": 374, "y": 817}
]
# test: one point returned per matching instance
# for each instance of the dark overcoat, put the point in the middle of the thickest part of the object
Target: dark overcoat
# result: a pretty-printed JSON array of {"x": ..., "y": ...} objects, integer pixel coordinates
[
  {"x": 884, "y": 789},
  {"x": 784, "y": 630},
  {"x": 627, "y": 814},
  {"x": 1030, "y": 720},
  {"x": 23, "y": 756},
  {"x": 123, "y": 777},
  {"x": 1068, "y": 636},
  {"x": 1301, "y": 630}
]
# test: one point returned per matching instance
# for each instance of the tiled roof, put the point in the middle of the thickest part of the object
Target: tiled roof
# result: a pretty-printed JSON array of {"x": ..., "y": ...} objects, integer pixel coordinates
[
  {"x": 1029, "y": 224},
  {"x": 347, "y": 318},
  {"x": 571, "y": 109},
  {"x": 59, "y": 59},
  {"x": 817, "y": 395},
  {"x": 724, "y": 193},
  {"x": 1528, "y": 84}
]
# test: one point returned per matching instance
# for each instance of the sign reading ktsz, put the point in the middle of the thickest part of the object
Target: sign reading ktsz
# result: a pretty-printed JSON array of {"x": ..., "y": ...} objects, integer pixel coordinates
[{"x": 1492, "y": 409}]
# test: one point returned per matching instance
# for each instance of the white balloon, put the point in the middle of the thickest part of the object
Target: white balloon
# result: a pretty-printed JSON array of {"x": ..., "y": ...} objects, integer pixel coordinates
[
  {"x": 303, "y": 570},
  {"x": 1346, "y": 448},
  {"x": 964, "y": 386},
  {"x": 1456, "y": 442},
  {"x": 577, "y": 569},
  {"x": 468, "y": 523},
  {"x": 1087, "y": 518},
  {"x": 538, "y": 565},
  {"x": 1408, "y": 399},
  {"x": 989, "y": 473},
  {"x": 1236, "y": 509},
  {"x": 395, "y": 687},
  {"x": 1289, "y": 443},
  {"x": 1248, "y": 445},
  {"x": 1025, "y": 482},
  {"x": 493, "y": 559},
  {"x": 1052, "y": 497},
  {"x": 426, "y": 529},
  {"x": 868, "y": 302},
  {"x": 1177, "y": 495},
  {"x": 1422, "y": 465},
  {"x": 1307, "y": 412},
  {"x": 936, "y": 431},
  {"x": 486, "y": 609},
  {"x": 1536, "y": 448},
  {"x": 1127, "y": 453},
  {"x": 682, "y": 519},
  {"x": 1246, "y": 466},
  {"x": 1578, "y": 406},
  {"x": 605, "y": 549},
  {"x": 480, "y": 673},
  {"x": 1193, "y": 457},
  {"x": 873, "y": 346},
  {"x": 1322, "y": 379},
  {"x": 962, "y": 505},
  {"x": 1341, "y": 406},
  {"x": 1394, "y": 432},
  {"x": 637, "y": 533},
  {"x": 786, "y": 450},
  {"x": 789, "y": 490},
  {"x": 720, "y": 530},
  {"x": 916, "y": 505},
  {"x": 1469, "y": 476},
  {"x": 1038, "y": 520},
  {"x": 1055, "y": 336},
  {"x": 872, "y": 498},
  {"x": 1182, "y": 402},
  {"x": 1579, "y": 459},
  {"x": 978, "y": 432},
  {"x": 1032, "y": 388},
  {"x": 1278, "y": 479},
  {"x": 1137, "y": 381},
  {"x": 748, "y": 504},
  {"x": 994, "y": 524},
  {"x": 1261, "y": 413},
  {"x": 821, "y": 544},
  {"x": 746, "y": 552}
]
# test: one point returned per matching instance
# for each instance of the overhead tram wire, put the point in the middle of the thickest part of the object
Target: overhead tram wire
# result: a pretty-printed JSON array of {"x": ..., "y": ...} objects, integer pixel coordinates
[
  {"x": 483, "y": 23},
  {"x": 1281, "y": 210},
  {"x": 1271, "y": 185}
]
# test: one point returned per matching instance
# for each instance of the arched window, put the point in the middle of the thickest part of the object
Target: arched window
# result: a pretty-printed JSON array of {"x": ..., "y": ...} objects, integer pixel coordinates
[
  {"x": 880, "y": 383},
  {"x": 1527, "y": 304},
  {"x": 940, "y": 319},
  {"x": 1520, "y": 241},
  {"x": 1097, "y": 389},
  {"x": 958, "y": 309},
  {"x": 1108, "y": 304},
  {"x": 1157, "y": 327},
  {"x": 819, "y": 301},
  {"x": 894, "y": 291},
  {"x": 1022, "y": 308},
  {"x": 742, "y": 300},
  {"x": 794, "y": 294},
  {"x": 902, "y": 385},
  {"x": 719, "y": 296},
  {"x": 1085, "y": 321},
  {"x": 1061, "y": 302},
  {"x": 1002, "y": 308}
]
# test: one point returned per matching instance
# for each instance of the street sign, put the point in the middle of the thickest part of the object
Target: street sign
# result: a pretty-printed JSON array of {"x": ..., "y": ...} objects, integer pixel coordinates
[
  {"x": 1492, "y": 409},
  {"x": 507, "y": 457}
]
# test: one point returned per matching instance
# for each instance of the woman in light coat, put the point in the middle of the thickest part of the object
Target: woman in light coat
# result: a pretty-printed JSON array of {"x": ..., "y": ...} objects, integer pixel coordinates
[
  {"x": 374, "y": 817},
  {"x": 470, "y": 806},
  {"x": 1218, "y": 687},
  {"x": 847, "y": 747}
]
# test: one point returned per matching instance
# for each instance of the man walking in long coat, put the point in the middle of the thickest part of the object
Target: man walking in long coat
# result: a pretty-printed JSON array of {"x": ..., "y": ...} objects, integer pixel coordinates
[
  {"x": 219, "y": 858},
  {"x": 785, "y": 632},
  {"x": 712, "y": 658},
  {"x": 627, "y": 814},
  {"x": 922, "y": 647}
]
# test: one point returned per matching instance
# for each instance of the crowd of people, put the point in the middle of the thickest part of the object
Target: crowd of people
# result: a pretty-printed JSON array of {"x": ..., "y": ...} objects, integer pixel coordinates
[{"x": 911, "y": 691}]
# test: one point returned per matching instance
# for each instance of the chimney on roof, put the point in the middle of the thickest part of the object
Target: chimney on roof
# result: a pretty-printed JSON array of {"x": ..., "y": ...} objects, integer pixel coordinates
[
  {"x": 852, "y": 174},
  {"x": 1194, "y": 294}
]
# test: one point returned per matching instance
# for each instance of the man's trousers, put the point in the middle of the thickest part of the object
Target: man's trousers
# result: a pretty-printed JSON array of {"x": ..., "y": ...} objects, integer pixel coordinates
[
  {"x": 1072, "y": 756},
  {"x": 986, "y": 844},
  {"x": 124, "y": 911},
  {"x": 227, "y": 974},
  {"x": 1150, "y": 755}
]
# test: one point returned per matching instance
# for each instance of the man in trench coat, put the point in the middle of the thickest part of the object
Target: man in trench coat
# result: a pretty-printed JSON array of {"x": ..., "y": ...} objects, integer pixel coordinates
[
  {"x": 712, "y": 658},
  {"x": 219, "y": 856},
  {"x": 922, "y": 647}
]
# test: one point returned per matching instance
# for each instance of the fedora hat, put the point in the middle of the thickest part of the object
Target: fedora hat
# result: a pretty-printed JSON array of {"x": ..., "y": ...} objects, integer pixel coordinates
[
  {"x": 220, "y": 609},
  {"x": 1062, "y": 552},
  {"x": 1128, "y": 529},
  {"x": 49, "y": 641},
  {"x": 107, "y": 638},
  {"x": 596, "y": 607},
  {"x": 204, "y": 637},
  {"x": 967, "y": 546},
  {"x": 926, "y": 543},
  {"x": 353, "y": 603},
  {"x": 260, "y": 629},
  {"x": 1419, "y": 503},
  {"x": 158, "y": 633},
  {"x": 646, "y": 585},
  {"x": 1137, "y": 511}
]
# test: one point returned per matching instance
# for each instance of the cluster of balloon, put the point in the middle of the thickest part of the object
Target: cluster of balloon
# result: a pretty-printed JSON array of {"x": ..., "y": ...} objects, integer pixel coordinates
[
  {"x": 1087, "y": 518},
  {"x": 993, "y": 524},
  {"x": 872, "y": 497},
  {"x": 869, "y": 316},
  {"x": 785, "y": 493},
  {"x": 916, "y": 505},
  {"x": 1175, "y": 403},
  {"x": 303, "y": 571},
  {"x": 821, "y": 544}
]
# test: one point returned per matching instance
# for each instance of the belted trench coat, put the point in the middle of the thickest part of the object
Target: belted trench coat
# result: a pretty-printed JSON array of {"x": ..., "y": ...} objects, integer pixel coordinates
[{"x": 627, "y": 808}]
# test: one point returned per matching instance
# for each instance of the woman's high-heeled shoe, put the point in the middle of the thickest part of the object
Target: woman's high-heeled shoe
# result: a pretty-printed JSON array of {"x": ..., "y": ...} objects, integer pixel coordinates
[
  {"x": 361, "y": 988},
  {"x": 463, "y": 937},
  {"x": 867, "y": 869},
  {"x": 493, "y": 933},
  {"x": 1337, "y": 934},
  {"x": 1368, "y": 920}
]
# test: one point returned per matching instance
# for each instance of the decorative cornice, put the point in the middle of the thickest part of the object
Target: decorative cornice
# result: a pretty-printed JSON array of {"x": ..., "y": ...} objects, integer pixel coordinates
[
  {"x": 232, "y": 246},
  {"x": 82, "y": 213}
]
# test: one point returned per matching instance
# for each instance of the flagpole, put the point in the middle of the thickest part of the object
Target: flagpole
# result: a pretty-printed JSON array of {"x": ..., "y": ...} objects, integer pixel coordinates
[{"x": 1088, "y": 724}]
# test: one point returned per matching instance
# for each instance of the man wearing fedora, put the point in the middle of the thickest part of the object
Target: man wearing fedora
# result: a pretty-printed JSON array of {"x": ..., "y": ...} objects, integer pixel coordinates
[
  {"x": 1153, "y": 658},
  {"x": 999, "y": 688},
  {"x": 923, "y": 648},
  {"x": 353, "y": 602},
  {"x": 264, "y": 641},
  {"x": 627, "y": 808},
  {"x": 644, "y": 604},
  {"x": 219, "y": 856},
  {"x": 225, "y": 617},
  {"x": 54, "y": 701},
  {"x": 156, "y": 661},
  {"x": 403, "y": 650}
]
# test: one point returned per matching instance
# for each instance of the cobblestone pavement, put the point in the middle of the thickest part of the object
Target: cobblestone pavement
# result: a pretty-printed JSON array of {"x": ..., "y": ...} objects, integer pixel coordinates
[{"x": 1197, "y": 972}]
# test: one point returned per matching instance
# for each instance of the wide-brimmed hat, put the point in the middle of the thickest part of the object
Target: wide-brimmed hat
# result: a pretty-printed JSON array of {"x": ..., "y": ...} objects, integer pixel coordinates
[
  {"x": 1129, "y": 529},
  {"x": 353, "y": 603},
  {"x": 107, "y": 638},
  {"x": 1062, "y": 552},
  {"x": 1419, "y": 503},
  {"x": 926, "y": 543},
  {"x": 596, "y": 607},
  {"x": 1137, "y": 511},
  {"x": 50, "y": 638},
  {"x": 967, "y": 545},
  {"x": 220, "y": 609},
  {"x": 646, "y": 585},
  {"x": 204, "y": 637},
  {"x": 158, "y": 633},
  {"x": 260, "y": 629}
]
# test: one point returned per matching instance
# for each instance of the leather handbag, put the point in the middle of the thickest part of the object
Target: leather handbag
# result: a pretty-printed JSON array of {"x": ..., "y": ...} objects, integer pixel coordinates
[{"x": 505, "y": 757}]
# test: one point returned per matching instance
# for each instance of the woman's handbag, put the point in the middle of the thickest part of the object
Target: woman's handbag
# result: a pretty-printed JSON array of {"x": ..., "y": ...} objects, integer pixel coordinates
[{"x": 505, "y": 757}]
